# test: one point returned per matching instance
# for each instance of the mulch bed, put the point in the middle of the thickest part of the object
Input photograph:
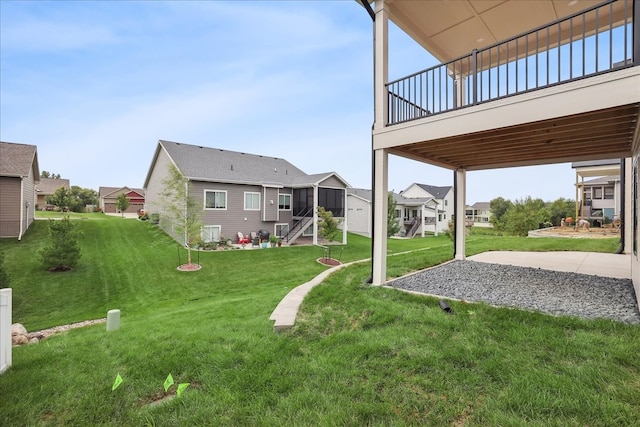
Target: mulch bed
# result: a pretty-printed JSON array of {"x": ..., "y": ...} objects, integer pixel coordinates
[
  {"x": 189, "y": 267},
  {"x": 329, "y": 261}
]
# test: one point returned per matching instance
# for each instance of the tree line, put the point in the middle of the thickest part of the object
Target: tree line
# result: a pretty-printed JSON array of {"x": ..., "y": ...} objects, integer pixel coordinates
[{"x": 519, "y": 217}]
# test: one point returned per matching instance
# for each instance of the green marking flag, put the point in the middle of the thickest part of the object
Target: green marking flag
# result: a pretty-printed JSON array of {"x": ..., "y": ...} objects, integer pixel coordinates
[
  {"x": 117, "y": 382},
  {"x": 168, "y": 382},
  {"x": 181, "y": 388}
]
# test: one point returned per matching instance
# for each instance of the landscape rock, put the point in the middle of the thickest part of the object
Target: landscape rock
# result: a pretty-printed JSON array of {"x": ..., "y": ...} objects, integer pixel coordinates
[{"x": 18, "y": 334}]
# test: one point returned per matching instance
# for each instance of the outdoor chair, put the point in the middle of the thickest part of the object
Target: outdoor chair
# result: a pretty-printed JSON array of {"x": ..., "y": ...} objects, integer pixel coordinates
[{"x": 242, "y": 239}]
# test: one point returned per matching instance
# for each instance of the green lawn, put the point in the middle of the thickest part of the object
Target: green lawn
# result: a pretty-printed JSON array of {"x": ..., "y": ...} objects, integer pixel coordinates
[{"x": 358, "y": 355}]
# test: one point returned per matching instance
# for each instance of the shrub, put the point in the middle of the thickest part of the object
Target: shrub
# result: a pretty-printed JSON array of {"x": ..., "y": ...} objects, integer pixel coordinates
[{"x": 63, "y": 252}]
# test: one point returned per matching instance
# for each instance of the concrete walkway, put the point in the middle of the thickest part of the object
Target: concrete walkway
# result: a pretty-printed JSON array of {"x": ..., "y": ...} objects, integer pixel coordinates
[{"x": 598, "y": 264}]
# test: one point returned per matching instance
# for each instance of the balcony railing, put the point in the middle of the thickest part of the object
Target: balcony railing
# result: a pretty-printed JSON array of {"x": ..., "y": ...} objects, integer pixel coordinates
[{"x": 594, "y": 41}]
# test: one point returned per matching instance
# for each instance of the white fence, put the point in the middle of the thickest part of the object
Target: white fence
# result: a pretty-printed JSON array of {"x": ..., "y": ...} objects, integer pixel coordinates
[{"x": 5, "y": 329}]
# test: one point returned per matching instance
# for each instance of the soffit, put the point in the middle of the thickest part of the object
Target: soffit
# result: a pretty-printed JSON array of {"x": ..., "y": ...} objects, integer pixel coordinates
[{"x": 451, "y": 28}]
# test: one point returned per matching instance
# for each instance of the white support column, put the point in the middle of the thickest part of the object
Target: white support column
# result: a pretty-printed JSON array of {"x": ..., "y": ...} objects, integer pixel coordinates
[
  {"x": 380, "y": 217},
  {"x": 315, "y": 215},
  {"x": 628, "y": 212},
  {"x": 345, "y": 219},
  {"x": 461, "y": 177},
  {"x": 381, "y": 65},
  {"x": 380, "y": 157},
  {"x": 5, "y": 329}
]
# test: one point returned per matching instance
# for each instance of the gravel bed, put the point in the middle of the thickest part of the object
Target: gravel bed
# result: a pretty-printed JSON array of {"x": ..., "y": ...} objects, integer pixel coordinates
[{"x": 546, "y": 291}]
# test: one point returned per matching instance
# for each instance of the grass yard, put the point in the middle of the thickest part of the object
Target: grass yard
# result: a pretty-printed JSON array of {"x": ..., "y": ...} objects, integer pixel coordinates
[{"x": 358, "y": 355}]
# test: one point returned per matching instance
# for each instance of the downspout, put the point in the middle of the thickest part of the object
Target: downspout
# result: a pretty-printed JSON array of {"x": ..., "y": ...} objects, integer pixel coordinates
[
  {"x": 623, "y": 184},
  {"x": 367, "y": 7},
  {"x": 21, "y": 232}
]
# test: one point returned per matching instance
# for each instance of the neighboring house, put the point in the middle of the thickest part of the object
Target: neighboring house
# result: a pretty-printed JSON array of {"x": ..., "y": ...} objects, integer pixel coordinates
[
  {"x": 108, "y": 197},
  {"x": 241, "y": 192},
  {"x": 19, "y": 175},
  {"x": 443, "y": 195},
  {"x": 479, "y": 214},
  {"x": 496, "y": 99},
  {"x": 408, "y": 212},
  {"x": 45, "y": 188},
  {"x": 599, "y": 198}
]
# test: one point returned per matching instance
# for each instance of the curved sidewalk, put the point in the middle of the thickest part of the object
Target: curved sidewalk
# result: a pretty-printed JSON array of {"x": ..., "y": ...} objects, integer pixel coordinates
[
  {"x": 593, "y": 263},
  {"x": 284, "y": 315}
]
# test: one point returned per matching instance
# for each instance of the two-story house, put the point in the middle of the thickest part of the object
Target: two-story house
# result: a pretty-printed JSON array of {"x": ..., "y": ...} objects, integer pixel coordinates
[
  {"x": 519, "y": 83},
  {"x": 408, "y": 212},
  {"x": 442, "y": 195},
  {"x": 241, "y": 192},
  {"x": 479, "y": 214},
  {"x": 600, "y": 196}
]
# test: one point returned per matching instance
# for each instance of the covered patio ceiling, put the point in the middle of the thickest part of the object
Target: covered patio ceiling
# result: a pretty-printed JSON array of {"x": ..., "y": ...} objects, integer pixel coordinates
[
  {"x": 600, "y": 134},
  {"x": 449, "y": 29}
]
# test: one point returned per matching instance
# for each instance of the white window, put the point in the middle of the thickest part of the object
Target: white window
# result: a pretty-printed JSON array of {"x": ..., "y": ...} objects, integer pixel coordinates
[
  {"x": 251, "y": 201},
  {"x": 446, "y": 202},
  {"x": 282, "y": 230},
  {"x": 308, "y": 231},
  {"x": 211, "y": 233},
  {"x": 215, "y": 199},
  {"x": 284, "y": 202}
]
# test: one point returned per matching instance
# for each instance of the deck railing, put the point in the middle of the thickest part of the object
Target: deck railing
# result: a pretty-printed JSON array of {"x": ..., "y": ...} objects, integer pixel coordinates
[{"x": 594, "y": 41}]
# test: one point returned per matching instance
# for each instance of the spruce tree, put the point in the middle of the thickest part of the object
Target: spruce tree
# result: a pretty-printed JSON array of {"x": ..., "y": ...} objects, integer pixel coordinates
[{"x": 62, "y": 253}]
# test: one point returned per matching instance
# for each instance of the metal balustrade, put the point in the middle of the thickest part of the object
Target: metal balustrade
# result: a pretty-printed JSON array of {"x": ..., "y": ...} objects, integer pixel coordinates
[{"x": 591, "y": 42}]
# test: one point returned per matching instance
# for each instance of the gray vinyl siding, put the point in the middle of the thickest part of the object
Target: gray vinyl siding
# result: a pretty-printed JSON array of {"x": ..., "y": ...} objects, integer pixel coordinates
[
  {"x": 9, "y": 207},
  {"x": 332, "y": 182},
  {"x": 270, "y": 204},
  {"x": 29, "y": 200},
  {"x": 234, "y": 218}
]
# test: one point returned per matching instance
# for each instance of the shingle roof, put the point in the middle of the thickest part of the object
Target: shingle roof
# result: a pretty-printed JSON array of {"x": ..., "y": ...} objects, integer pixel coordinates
[
  {"x": 50, "y": 185},
  {"x": 603, "y": 180},
  {"x": 218, "y": 165},
  {"x": 18, "y": 159},
  {"x": 482, "y": 206},
  {"x": 400, "y": 199},
  {"x": 105, "y": 191},
  {"x": 437, "y": 192}
]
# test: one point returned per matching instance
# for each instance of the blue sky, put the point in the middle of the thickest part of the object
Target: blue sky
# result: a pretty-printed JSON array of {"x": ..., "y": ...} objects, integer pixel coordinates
[{"x": 95, "y": 84}]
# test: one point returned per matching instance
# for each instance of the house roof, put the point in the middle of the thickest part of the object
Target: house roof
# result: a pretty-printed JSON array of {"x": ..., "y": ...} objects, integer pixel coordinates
[
  {"x": 106, "y": 191},
  {"x": 17, "y": 160},
  {"x": 597, "y": 167},
  {"x": 399, "y": 198},
  {"x": 590, "y": 163},
  {"x": 437, "y": 192},
  {"x": 50, "y": 185},
  {"x": 603, "y": 180},
  {"x": 200, "y": 163},
  {"x": 481, "y": 206}
]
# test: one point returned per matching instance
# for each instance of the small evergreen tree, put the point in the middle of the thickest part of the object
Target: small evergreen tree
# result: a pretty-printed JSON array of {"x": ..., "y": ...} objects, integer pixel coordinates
[
  {"x": 328, "y": 225},
  {"x": 122, "y": 203},
  {"x": 393, "y": 226},
  {"x": 62, "y": 252}
]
